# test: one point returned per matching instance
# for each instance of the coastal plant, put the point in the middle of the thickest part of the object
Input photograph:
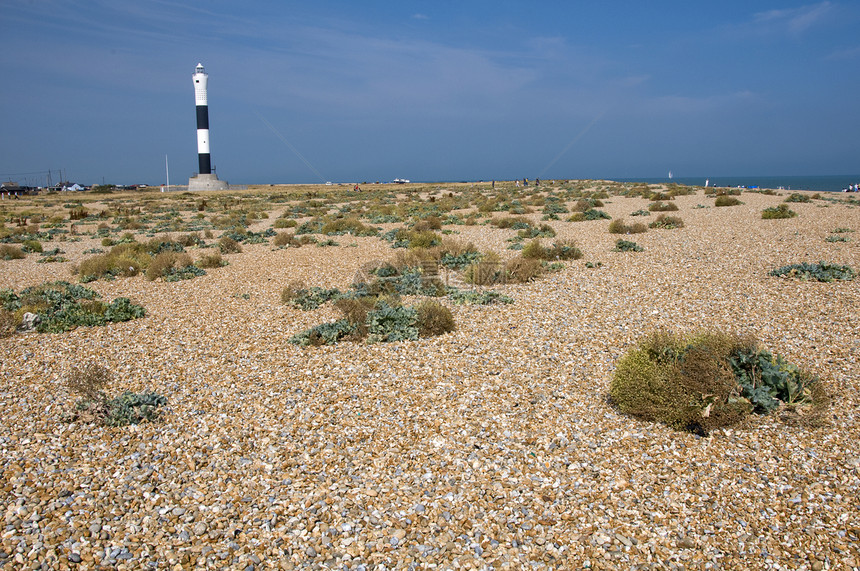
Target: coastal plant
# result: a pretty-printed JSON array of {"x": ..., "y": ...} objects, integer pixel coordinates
[
  {"x": 640, "y": 213},
  {"x": 627, "y": 246},
  {"x": 797, "y": 197},
  {"x": 9, "y": 252},
  {"x": 822, "y": 272},
  {"x": 472, "y": 297},
  {"x": 708, "y": 380},
  {"x": 522, "y": 270},
  {"x": 229, "y": 245},
  {"x": 433, "y": 318},
  {"x": 663, "y": 207},
  {"x": 89, "y": 381},
  {"x": 485, "y": 271},
  {"x": 777, "y": 212},
  {"x": 213, "y": 260},
  {"x": 308, "y": 299},
  {"x": 61, "y": 306},
  {"x": 667, "y": 222},
  {"x": 619, "y": 226},
  {"x": 591, "y": 214},
  {"x": 837, "y": 239},
  {"x": 724, "y": 200},
  {"x": 8, "y": 323}
]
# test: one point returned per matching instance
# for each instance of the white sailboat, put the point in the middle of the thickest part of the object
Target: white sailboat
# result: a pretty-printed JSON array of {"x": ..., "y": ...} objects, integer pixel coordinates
[{"x": 670, "y": 175}]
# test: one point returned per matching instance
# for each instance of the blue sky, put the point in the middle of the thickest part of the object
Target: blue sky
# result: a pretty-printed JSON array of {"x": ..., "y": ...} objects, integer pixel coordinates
[{"x": 466, "y": 90}]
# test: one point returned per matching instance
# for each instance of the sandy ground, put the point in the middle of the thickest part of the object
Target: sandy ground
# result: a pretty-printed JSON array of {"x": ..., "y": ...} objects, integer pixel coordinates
[{"x": 490, "y": 447}]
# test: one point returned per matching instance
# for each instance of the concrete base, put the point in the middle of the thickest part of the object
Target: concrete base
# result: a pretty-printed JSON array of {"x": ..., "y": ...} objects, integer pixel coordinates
[{"x": 207, "y": 182}]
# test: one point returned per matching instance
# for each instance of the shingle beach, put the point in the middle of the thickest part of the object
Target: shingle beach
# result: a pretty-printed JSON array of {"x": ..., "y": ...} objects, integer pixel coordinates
[{"x": 492, "y": 447}]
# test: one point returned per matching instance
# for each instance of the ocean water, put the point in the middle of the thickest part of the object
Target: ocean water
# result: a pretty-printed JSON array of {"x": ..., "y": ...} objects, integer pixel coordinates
[{"x": 831, "y": 183}]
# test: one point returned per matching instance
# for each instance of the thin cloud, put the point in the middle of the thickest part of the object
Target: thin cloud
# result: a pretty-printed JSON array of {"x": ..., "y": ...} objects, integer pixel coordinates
[
  {"x": 420, "y": 16},
  {"x": 846, "y": 54},
  {"x": 792, "y": 20}
]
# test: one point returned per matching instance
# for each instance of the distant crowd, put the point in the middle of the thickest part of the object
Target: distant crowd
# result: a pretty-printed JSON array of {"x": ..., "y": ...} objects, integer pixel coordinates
[{"x": 852, "y": 188}]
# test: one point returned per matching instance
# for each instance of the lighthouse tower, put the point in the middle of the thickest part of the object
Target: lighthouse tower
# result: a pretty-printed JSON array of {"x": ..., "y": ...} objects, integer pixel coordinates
[{"x": 205, "y": 179}]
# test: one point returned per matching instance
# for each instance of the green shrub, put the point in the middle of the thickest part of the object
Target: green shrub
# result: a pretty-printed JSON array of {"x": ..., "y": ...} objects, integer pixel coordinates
[
  {"x": 618, "y": 226},
  {"x": 591, "y": 214},
  {"x": 663, "y": 207},
  {"x": 433, "y": 318},
  {"x": 626, "y": 246},
  {"x": 544, "y": 231},
  {"x": 724, "y": 200},
  {"x": 308, "y": 299},
  {"x": 229, "y": 245},
  {"x": 522, "y": 270},
  {"x": 837, "y": 239},
  {"x": 389, "y": 323},
  {"x": 285, "y": 223},
  {"x": 797, "y": 197},
  {"x": 667, "y": 222},
  {"x": 31, "y": 246},
  {"x": 565, "y": 250},
  {"x": 706, "y": 381},
  {"x": 352, "y": 226},
  {"x": 8, "y": 252},
  {"x": 485, "y": 271},
  {"x": 324, "y": 334},
  {"x": 534, "y": 250},
  {"x": 472, "y": 297},
  {"x": 213, "y": 260},
  {"x": 8, "y": 323},
  {"x": 777, "y": 212},
  {"x": 94, "y": 406},
  {"x": 822, "y": 271},
  {"x": 640, "y": 213},
  {"x": 62, "y": 306}
]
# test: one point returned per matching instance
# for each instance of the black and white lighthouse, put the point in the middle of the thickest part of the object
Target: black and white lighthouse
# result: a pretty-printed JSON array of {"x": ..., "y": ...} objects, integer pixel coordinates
[{"x": 205, "y": 179}]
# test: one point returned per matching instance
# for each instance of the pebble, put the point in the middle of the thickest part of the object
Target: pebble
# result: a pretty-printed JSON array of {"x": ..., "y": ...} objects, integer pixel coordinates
[{"x": 493, "y": 445}]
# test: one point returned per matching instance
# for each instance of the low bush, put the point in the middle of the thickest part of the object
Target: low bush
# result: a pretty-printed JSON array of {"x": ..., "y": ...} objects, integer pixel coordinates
[
  {"x": 8, "y": 323},
  {"x": 725, "y": 200},
  {"x": 472, "y": 297},
  {"x": 213, "y": 260},
  {"x": 285, "y": 223},
  {"x": 822, "y": 272},
  {"x": 61, "y": 306},
  {"x": 663, "y": 207},
  {"x": 9, "y": 252},
  {"x": 797, "y": 197},
  {"x": 777, "y": 212},
  {"x": 640, "y": 213},
  {"x": 353, "y": 226},
  {"x": 308, "y": 299},
  {"x": 591, "y": 214},
  {"x": 486, "y": 271},
  {"x": 522, "y": 270},
  {"x": 229, "y": 245},
  {"x": 708, "y": 380},
  {"x": 667, "y": 222},
  {"x": 31, "y": 246},
  {"x": 89, "y": 381},
  {"x": 433, "y": 318},
  {"x": 626, "y": 246},
  {"x": 619, "y": 226}
]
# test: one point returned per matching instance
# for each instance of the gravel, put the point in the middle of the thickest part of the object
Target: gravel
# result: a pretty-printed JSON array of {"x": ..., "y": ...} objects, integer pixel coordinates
[{"x": 490, "y": 447}]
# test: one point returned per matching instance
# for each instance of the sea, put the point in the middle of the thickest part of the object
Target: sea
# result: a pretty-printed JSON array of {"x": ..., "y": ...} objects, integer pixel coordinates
[{"x": 829, "y": 183}]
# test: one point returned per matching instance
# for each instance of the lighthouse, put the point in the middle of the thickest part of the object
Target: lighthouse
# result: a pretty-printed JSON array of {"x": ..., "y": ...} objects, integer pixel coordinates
[{"x": 205, "y": 179}]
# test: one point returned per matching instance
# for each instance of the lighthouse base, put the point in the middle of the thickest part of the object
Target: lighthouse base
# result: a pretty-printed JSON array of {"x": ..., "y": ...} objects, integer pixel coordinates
[{"x": 207, "y": 182}]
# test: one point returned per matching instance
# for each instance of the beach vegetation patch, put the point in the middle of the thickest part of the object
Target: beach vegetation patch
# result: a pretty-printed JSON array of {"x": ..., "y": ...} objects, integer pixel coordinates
[
  {"x": 627, "y": 246},
  {"x": 94, "y": 406},
  {"x": 591, "y": 214},
  {"x": 709, "y": 380},
  {"x": 61, "y": 306},
  {"x": 667, "y": 222},
  {"x": 9, "y": 252},
  {"x": 663, "y": 207},
  {"x": 822, "y": 272},
  {"x": 777, "y": 212},
  {"x": 619, "y": 226},
  {"x": 473, "y": 297},
  {"x": 797, "y": 197},
  {"x": 725, "y": 200}
]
